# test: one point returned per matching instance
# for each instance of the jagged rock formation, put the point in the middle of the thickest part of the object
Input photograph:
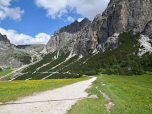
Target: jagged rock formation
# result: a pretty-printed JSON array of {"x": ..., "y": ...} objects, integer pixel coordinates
[
  {"x": 10, "y": 56},
  {"x": 119, "y": 16},
  {"x": 74, "y": 27},
  {"x": 65, "y": 35},
  {"x": 5, "y": 43},
  {"x": 4, "y": 38}
]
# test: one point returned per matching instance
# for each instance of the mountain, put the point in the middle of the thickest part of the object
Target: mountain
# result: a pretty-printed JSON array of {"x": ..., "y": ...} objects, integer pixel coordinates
[
  {"x": 118, "y": 41},
  {"x": 33, "y": 47},
  {"x": 66, "y": 35},
  {"x": 119, "y": 16},
  {"x": 13, "y": 56}
]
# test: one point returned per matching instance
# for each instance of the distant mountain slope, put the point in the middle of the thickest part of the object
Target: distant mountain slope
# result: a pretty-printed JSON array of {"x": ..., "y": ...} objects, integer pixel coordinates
[
  {"x": 13, "y": 56},
  {"x": 35, "y": 47}
]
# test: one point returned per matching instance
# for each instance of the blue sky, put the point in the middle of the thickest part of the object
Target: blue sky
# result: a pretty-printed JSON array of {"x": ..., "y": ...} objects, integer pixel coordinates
[{"x": 34, "y": 21}]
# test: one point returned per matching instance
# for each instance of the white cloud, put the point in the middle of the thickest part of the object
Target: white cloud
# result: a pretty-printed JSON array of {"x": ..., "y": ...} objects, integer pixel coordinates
[
  {"x": 6, "y": 11},
  {"x": 87, "y": 8},
  {"x": 80, "y": 19},
  {"x": 70, "y": 19},
  {"x": 16, "y": 38}
]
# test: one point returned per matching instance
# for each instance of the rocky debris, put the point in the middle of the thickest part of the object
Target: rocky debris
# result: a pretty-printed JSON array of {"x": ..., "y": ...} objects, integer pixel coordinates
[
  {"x": 111, "y": 43},
  {"x": 145, "y": 45},
  {"x": 44, "y": 51},
  {"x": 103, "y": 84},
  {"x": 110, "y": 103},
  {"x": 93, "y": 97}
]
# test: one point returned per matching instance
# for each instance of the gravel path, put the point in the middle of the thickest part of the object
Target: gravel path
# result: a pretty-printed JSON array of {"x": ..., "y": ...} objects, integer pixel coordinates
[{"x": 56, "y": 101}]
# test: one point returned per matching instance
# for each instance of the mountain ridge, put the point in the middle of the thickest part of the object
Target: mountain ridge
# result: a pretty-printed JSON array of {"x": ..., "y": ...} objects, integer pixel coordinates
[{"x": 119, "y": 16}]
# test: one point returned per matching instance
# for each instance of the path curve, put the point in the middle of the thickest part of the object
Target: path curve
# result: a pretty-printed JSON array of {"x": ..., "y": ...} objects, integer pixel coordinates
[{"x": 56, "y": 101}]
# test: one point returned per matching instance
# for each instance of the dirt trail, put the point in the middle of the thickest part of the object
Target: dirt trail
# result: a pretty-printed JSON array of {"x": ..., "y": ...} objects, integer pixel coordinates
[{"x": 56, "y": 101}]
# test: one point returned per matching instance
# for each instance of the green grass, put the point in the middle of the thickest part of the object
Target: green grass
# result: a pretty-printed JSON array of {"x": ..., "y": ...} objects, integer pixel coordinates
[
  {"x": 47, "y": 58},
  {"x": 54, "y": 63},
  {"x": 130, "y": 94},
  {"x": 3, "y": 73},
  {"x": 65, "y": 64},
  {"x": 91, "y": 106},
  {"x": 12, "y": 90}
]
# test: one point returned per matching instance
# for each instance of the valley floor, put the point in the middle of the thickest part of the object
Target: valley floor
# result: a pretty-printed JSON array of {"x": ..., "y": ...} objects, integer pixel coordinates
[
  {"x": 56, "y": 101},
  {"x": 130, "y": 95}
]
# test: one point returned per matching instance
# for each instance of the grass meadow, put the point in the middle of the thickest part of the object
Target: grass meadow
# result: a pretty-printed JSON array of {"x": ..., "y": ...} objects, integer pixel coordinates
[
  {"x": 3, "y": 73},
  {"x": 130, "y": 94},
  {"x": 14, "y": 89}
]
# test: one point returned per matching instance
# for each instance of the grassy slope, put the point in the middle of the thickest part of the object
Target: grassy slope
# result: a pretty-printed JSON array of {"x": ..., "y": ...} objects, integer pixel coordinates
[
  {"x": 46, "y": 59},
  {"x": 130, "y": 94},
  {"x": 65, "y": 64},
  {"x": 54, "y": 63},
  {"x": 3, "y": 73},
  {"x": 12, "y": 90}
]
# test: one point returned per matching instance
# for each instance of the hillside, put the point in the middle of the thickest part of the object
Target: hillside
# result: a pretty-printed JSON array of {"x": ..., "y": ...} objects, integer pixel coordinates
[
  {"x": 118, "y": 41},
  {"x": 35, "y": 47},
  {"x": 13, "y": 56}
]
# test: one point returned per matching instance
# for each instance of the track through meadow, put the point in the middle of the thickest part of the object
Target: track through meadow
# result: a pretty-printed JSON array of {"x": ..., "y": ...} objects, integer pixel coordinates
[{"x": 56, "y": 101}]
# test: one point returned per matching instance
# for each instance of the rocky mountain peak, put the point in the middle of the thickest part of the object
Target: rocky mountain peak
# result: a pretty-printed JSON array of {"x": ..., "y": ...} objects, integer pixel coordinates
[
  {"x": 74, "y": 27},
  {"x": 4, "y": 38}
]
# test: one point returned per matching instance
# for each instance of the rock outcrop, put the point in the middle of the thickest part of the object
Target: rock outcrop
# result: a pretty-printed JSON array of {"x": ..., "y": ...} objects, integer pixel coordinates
[
  {"x": 74, "y": 27},
  {"x": 119, "y": 16},
  {"x": 10, "y": 56},
  {"x": 66, "y": 35},
  {"x": 4, "y": 38}
]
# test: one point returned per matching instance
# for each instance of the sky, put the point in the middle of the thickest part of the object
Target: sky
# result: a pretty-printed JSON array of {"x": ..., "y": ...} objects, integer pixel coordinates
[{"x": 34, "y": 21}]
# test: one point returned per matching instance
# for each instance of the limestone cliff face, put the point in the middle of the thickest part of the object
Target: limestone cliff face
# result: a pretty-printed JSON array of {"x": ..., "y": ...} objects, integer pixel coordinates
[
  {"x": 119, "y": 16},
  {"x": 65, "y": 35}
]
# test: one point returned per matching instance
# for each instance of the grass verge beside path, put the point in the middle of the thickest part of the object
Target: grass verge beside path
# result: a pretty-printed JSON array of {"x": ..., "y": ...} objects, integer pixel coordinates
[
  {"x": 91, "y": 106},
  {"x": 130, "y": 94},
  {"x": 12, "y": 90}
]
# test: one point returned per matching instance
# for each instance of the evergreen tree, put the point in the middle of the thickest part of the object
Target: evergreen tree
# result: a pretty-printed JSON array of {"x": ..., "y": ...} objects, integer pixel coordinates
[
  {"x": 128, "y": 61},
  {"x": 114, "y": 60},
  {"x": 135, "y": 68}
]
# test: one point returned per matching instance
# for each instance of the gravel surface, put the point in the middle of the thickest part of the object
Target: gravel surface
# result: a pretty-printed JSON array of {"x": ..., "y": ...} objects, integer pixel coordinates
[{"x": 56, "y": 101}]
